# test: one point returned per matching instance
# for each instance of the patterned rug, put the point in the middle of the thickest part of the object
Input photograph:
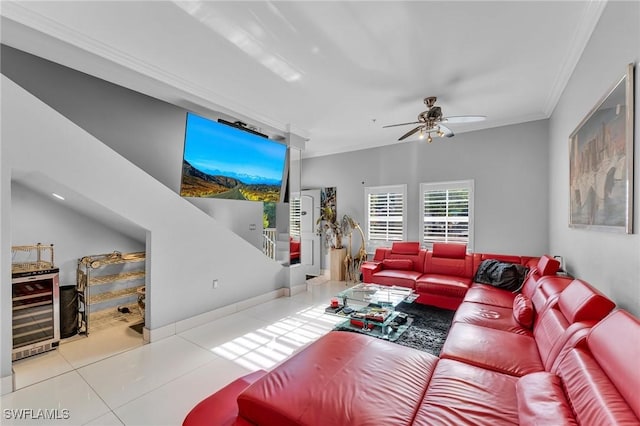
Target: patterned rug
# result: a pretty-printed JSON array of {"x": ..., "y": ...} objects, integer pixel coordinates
[{"x": 428, "y": 327}]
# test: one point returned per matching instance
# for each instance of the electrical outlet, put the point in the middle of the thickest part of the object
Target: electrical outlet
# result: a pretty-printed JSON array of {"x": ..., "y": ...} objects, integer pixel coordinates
[{"x": 215, "y": 283}]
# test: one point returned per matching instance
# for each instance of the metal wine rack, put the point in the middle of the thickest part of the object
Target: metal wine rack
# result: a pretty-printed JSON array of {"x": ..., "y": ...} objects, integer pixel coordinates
[
  {"x": 98, "y": 285},
  {"x": 31, "y": 258}
]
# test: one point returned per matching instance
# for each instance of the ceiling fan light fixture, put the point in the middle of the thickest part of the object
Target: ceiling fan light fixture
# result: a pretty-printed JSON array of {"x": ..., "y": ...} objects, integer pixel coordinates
[{"x": 432, "y": 120}]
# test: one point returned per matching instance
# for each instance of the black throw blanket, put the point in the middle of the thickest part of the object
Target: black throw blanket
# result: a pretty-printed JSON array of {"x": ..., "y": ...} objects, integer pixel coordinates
[{"x": 503, "y": 275}]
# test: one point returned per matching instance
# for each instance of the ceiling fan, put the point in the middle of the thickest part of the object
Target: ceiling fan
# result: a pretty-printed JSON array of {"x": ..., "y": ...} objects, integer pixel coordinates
[{"x": 431, "y": 121}]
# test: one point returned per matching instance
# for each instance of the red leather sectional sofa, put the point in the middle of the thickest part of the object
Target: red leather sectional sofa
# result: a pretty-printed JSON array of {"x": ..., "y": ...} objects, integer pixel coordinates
[
  {"x": 557, "y": 353},
  {"x": 440, "y": 276}
]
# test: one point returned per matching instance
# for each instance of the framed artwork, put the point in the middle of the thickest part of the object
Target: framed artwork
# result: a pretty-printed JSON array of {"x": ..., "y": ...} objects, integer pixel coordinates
[
  {"x": 601, "y": 162},
  {"x": 329, "y": 224}
]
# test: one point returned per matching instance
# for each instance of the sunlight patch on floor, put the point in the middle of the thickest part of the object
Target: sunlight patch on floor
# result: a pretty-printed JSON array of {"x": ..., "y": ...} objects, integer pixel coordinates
[{"x": 269, "y": 345}]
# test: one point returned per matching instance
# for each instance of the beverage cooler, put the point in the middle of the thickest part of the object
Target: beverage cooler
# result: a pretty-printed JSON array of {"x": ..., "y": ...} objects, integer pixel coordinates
[
  {"x": 35, "y": 309},
  {"x": 36, "y": 316}
]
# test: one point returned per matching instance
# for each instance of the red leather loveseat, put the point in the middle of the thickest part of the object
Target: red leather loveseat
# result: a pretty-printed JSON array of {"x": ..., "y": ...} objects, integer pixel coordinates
[{"x": 440, "y": 276}]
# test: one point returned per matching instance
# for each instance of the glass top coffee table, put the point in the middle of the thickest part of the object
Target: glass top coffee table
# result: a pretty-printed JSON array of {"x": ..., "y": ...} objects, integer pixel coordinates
[
  {"x": 373, "y": 310},
  {"x": 375, "y": 294}
]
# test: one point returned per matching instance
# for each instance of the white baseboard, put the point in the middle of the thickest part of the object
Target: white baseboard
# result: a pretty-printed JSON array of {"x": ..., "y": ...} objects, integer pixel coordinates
[
  {"x": 257, "y": 300},
  {"x": 159, "y": 333},
  {"x": 205, "y": 317},
  {"x": 6, "y": 384},
  {"x": 297, "y": 289}
]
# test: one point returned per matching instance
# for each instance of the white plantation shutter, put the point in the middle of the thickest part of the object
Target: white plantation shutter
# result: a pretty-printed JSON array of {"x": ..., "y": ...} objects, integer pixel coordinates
[
  {"x": 294, "y": 217},
  {"x": 447, "y": 212},
  {"x": 386, "y": 208}
]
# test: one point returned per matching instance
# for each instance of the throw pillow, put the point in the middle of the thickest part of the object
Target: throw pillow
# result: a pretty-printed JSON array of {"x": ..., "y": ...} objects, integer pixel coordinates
[
  {"x": 403, "y": 264},
  {"x": 523, "y": 310}
]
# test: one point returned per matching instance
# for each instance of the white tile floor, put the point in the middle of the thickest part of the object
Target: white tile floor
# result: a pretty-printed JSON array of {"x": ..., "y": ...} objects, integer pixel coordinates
[{"x": 112, "y": 379}]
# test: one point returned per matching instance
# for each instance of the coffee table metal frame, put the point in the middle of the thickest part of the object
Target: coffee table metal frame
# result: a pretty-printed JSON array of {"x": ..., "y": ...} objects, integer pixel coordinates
[{"x": 382, "y": 296}]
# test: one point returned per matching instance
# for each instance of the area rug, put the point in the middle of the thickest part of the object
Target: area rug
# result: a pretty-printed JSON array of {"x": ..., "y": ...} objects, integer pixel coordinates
[{"x": 428, "y": 327}]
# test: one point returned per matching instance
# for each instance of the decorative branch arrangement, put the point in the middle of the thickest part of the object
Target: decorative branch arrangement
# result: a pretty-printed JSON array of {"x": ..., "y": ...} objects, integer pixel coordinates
[
  {"x": 330, "y": 228},
  {"x": 334, "y": 230},
  {"x": 352, "y": 264}
]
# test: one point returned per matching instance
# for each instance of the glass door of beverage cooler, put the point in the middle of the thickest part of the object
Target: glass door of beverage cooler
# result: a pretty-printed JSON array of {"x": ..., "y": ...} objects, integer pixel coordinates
[{"x": 35, "y": 314}]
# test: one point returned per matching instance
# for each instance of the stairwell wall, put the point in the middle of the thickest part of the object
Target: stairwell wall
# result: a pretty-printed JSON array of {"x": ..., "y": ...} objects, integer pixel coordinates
[
  {"x": 186, "y": 248},
  {"x": 145, "y": 130}
]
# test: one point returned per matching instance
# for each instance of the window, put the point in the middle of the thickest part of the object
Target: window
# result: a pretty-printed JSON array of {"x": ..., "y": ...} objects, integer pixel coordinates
[
  {"x": 294, "y": 217},
  {"x": 447, "y": 212},
  {"x": 385, "y": 207}
]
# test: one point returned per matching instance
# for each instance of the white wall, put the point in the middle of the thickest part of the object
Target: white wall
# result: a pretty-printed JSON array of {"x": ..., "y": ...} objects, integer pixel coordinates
[
  {"x": 508, "y": 165},
  {"x": 36, "y": 218},
  {"x": 609, "y": 261},
  {"x": 186, "y": 249},
  {"x": 6, "y": 343},
  {"x": 146, "y": 131},
  {"x": 244, "y": 218}
]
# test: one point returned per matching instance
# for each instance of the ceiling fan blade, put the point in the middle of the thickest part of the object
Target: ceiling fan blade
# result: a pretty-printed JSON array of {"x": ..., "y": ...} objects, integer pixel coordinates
[
  {"x": 409, "y": 133},
  {"x": 464, "y": 118},
  {"x": 401, "y": 124},
  {"x": 448, "y": 133}
]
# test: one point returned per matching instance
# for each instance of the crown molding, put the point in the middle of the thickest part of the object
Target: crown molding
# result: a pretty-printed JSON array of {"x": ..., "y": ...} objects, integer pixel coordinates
[
  {"x": 581, "y": 36},
  {"x": 19, "y": 12}
]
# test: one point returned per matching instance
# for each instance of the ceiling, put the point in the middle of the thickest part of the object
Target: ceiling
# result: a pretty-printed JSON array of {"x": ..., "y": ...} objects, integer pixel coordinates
[
  {"x": 46, "y": 187},
  {"x": 332, "y": 72}
]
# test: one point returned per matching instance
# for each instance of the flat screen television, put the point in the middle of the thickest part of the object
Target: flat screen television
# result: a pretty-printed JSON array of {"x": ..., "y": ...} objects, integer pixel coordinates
[{"x": 223, "y": 161}]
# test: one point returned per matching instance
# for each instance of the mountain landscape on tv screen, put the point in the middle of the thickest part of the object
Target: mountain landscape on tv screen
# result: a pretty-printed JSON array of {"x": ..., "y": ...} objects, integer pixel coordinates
[{"x": 196, "y": 183}]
